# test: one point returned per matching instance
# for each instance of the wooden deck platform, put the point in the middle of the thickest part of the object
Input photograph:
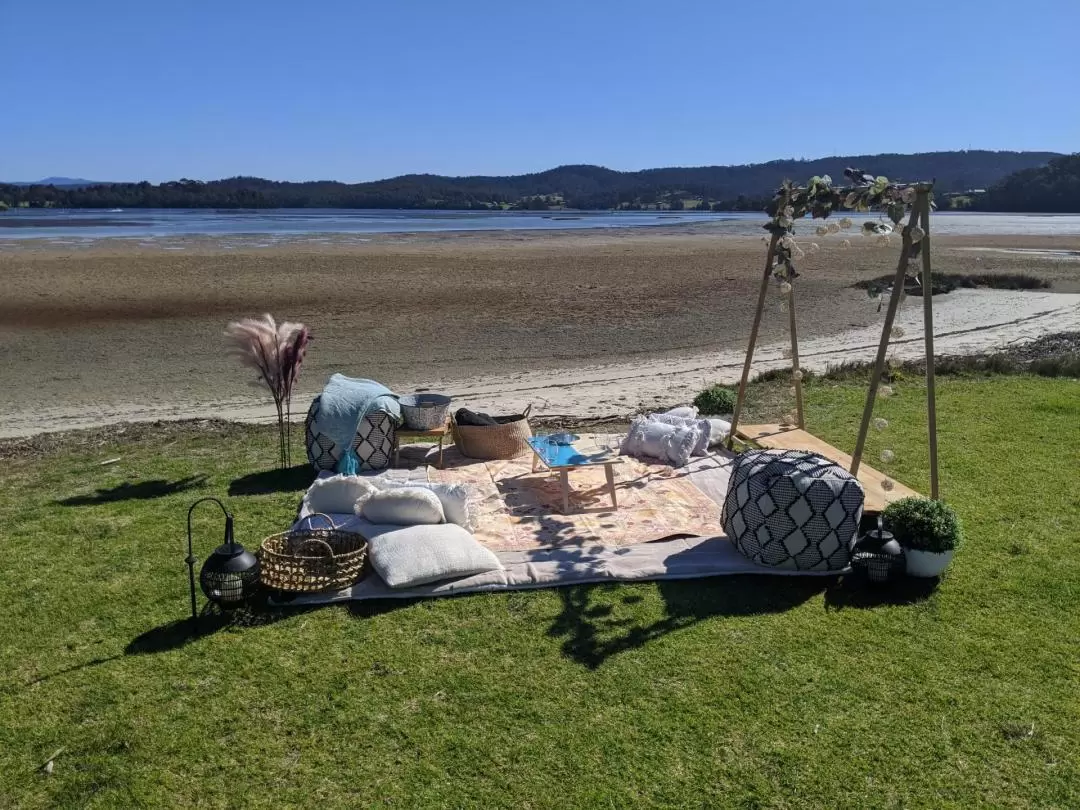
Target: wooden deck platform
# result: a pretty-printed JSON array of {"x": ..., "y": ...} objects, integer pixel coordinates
[{"x": 791, "y": 438}]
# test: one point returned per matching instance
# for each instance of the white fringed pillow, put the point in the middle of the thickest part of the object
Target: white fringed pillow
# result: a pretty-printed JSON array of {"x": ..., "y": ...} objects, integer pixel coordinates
[
  {"x": 646, "y": 438},
  {"x": 337, "y": 494},
  {"x": 453, "y": 497},
  {"x": 704, "y": 427},
  {"x": 418, "y": 555},
  {"x": 402, "y": 506},
  {"x": 679, "y": 444}
]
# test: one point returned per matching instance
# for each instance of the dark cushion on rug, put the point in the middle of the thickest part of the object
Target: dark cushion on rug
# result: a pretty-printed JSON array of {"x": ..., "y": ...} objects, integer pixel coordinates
[{"x": 792, "y": 509}]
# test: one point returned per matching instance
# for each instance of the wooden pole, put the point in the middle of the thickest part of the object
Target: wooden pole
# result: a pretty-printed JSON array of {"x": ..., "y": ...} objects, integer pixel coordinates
[
  {"x": 923, "y": 205},
  {"x": 800, "y": 421},
  {"x": 762, "y": 292},
  {"x": 883, "y": 345}
]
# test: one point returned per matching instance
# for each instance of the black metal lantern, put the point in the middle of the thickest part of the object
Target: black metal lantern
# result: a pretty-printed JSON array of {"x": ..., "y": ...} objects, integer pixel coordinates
[
  {"x": 230, "y": 575},
  {"x": 878, "y": 555}
]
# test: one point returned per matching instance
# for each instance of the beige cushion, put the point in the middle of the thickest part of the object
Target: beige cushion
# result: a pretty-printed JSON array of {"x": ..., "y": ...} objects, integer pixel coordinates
[
  {"x": 420, "y": 554},
  {"x": 403, "y": 506}
]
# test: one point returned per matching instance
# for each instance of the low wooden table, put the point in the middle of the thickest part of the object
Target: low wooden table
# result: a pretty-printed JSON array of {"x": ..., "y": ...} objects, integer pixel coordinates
[
  {"x": 439, "y": 433},
  {"x": 565, "y": 457}
]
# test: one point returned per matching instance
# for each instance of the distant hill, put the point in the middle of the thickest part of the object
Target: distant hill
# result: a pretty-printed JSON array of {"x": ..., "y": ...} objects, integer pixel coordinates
[
  {"x": 588, "y": 187},
  {"x": 1050, "y": 189},
  {"x": 59, "y": 182}
]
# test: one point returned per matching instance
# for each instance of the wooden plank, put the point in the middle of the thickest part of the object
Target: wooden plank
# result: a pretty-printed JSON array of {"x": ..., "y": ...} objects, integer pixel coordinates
[{"x": 792, "y": 438}]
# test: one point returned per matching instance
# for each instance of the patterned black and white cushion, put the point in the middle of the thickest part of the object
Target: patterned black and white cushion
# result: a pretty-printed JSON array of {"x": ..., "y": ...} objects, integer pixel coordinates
[
  {"x": 374, "y": 442},
  {"x": 792, "y": 509}
]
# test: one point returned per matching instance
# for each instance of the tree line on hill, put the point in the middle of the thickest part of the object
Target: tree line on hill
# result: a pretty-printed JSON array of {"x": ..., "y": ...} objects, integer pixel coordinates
[
  {"x": 1050, "y": 189},
  {"x": 723, "y": 188}
]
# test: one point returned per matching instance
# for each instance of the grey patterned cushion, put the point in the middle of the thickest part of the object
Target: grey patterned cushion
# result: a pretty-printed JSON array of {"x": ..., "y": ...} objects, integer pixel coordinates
[{"x": 792, "y": 509}]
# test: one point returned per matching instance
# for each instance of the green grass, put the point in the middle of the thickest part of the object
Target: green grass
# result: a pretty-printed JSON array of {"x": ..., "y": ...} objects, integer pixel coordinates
[{"x": 742, "y": 692}]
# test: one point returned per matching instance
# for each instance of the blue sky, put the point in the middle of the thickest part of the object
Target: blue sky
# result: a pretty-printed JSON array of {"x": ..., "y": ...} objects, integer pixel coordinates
[{"x": 162, "y": 89}]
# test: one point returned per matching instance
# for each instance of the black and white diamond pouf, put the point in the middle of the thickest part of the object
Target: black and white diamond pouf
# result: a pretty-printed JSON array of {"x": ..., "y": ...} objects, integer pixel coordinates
[
  {"x": 374, "y": 442},
  {"x": 792, "y": 509}
]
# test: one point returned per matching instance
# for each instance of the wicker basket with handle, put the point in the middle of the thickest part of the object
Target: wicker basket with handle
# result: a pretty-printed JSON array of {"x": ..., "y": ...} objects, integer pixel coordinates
[
  {"x": 307, "y": 560},
  {"x": 506, "y": 440}
]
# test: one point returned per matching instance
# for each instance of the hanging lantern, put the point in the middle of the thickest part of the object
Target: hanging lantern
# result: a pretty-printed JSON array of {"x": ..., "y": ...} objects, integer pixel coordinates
[
  {"x": 230, "y": 575},
  {"x": 878, "y": 555}
]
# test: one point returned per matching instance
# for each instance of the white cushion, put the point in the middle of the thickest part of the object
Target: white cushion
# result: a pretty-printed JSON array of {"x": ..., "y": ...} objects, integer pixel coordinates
[
  {"x": 336, "y": 493},
  {"x": 402, "y": 506},
  {"x": 685, "y": 412},
  {"x": 704, "y": 427},
  {"x": 680, "y": 444},
  {"x": 646, "y": 438},
  {"x": 719, "y": 432},
  {"x": 420, "y": 554},
  {"x": 453, "y": 497}
]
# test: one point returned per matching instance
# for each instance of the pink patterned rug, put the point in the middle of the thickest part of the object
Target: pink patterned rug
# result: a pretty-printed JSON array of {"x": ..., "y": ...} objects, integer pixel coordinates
[{"x": 519, "y": 510}]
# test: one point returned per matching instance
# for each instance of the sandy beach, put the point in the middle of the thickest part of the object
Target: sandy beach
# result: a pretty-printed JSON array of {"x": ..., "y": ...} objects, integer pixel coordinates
[{"x": 582, "y": 323}]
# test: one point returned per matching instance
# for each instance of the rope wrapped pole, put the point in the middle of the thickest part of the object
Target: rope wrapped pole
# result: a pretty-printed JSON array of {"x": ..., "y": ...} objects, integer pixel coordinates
[
  {"x": 796, "y": 376},
  {"x": 883, "y": 345},
  {"x": 923, "y": 205},
  {"x": 762, "y": 292}
]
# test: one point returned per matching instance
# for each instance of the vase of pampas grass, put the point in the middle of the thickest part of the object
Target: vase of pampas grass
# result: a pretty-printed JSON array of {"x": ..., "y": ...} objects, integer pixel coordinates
[{"x": 275, "y": 351}]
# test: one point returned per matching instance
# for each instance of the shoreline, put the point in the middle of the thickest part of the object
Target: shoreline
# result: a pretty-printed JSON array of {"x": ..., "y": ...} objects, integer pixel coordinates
[
  {"x": 586, "y": 322},
  {"x": 969, "y": 322}
]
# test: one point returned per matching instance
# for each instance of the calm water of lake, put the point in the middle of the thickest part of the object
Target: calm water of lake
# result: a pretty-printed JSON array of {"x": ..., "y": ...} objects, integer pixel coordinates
[{"x": 67, "y": 227}]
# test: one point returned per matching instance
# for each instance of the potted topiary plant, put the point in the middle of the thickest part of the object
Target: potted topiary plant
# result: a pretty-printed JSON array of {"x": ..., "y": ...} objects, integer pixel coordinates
[{"x": 928, "y": 530}]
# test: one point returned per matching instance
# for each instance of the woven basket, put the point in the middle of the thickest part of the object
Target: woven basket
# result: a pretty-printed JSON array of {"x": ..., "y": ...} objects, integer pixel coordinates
[
  {"x": 309, "y": 560},
  {"x": 507, "y": 440}
]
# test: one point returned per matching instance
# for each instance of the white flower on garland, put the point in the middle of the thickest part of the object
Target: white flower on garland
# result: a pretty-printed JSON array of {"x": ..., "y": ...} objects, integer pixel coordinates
[
  {"x": 885, "y": 391},
  {"x": 916, "y": 234},
  {"x": 814, "y": 247},
  {"x": 792, "y": 390},
  {"x": 846, "y": 243},
  {"x": 821, "y": 230},
  {"x": 789, "y": 211},
  {"x": 797, "y": 374},
  {"x": 787, "y": 242},
  {"x": 845, "y": 223},
  {"x": 887, "y": 456},
  {"x": 884, "y": 240},
  {"x": 880, "y": 424},
  {"x": 908, "y": 195},
  {"x": 786, "y": 222},
  {"x": 785, "y": 287},
  {"x": 833, "y": 228},
  {"x": 898, "y": 332},
  {"x": 887, "y": 484}
]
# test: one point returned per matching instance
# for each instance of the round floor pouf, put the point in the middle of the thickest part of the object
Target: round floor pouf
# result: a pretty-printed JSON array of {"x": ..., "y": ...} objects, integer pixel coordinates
[
  {"x": 374, "y": 442},
  {"x": 792, "y": 509}
]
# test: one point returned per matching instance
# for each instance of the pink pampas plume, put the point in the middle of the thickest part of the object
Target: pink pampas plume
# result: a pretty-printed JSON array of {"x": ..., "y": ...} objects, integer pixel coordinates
[{"x": 276, "y": 352}]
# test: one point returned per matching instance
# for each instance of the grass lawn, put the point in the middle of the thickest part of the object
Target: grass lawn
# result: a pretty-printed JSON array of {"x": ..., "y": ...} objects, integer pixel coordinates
[{"x": 743, "y": 692}]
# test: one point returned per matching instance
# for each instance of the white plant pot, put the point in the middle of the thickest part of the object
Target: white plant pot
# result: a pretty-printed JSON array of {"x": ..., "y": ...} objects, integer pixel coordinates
[{"x": 927, "y": 563}]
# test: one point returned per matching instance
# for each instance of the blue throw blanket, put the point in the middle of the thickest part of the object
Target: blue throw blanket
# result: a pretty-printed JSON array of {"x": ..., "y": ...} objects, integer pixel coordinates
[{"x": 344, "y": 403}]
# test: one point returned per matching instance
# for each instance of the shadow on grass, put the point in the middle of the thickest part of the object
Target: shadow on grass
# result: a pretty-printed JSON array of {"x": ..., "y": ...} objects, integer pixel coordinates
[
  {"x": 270, "y": 481},
  {"x": 594, "y": 633},
  {"x": 855, "y": 591},
  {"x": 145, "y": 490},
  {"x": 181, "y": 632}
]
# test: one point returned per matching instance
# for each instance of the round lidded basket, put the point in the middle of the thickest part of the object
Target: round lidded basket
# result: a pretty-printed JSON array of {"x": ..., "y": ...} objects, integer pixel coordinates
[
  {"x": 308, "y": 560},
  {"x": 425, "y": 411}
]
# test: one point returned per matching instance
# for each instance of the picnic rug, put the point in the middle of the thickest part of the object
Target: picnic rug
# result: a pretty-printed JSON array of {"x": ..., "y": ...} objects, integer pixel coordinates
[{"x": 515, "y": 509}]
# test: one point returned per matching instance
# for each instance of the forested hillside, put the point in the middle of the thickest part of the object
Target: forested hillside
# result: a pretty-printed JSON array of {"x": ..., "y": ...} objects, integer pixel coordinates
[
  {"x": 1051, "y": 189},
  {"x": 590, "y": 187}
]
